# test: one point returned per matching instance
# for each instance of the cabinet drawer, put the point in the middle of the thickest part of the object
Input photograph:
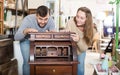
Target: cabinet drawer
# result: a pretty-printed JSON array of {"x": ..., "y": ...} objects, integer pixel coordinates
[
  {"x": 53, "y": 70},
  {"x": 61, "y": 36}
]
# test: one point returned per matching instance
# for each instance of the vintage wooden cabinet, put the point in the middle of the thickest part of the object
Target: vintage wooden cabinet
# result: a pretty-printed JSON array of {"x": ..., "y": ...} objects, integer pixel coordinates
[
  {"x": 6, "y": 49},
  {"x": 52, "y": 53},
  {"x": 8, "y": 64}
]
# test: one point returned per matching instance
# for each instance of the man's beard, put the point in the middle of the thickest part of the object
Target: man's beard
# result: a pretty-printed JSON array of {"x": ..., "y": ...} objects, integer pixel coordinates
[{"x": 42, "y": 26}]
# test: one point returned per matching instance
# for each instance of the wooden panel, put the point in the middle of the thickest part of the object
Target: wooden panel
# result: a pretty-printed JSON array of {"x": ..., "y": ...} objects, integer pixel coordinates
[
  {"x": 1, "y": 27},
  {"x": 1, "y": 17},
  {"x": 9, "y": 68},
  {"x": 1, "y": 11}
]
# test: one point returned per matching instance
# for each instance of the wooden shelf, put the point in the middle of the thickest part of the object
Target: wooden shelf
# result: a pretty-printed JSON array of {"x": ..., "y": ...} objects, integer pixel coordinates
[{"x": 13, "y": 9}]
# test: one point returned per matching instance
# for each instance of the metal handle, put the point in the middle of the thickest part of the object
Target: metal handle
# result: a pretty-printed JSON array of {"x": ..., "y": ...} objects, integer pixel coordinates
[{"x": 53, "y": 70}]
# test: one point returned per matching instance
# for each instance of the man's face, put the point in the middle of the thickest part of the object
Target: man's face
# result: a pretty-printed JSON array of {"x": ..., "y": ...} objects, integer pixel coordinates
[{"x": 42, "y": 21}]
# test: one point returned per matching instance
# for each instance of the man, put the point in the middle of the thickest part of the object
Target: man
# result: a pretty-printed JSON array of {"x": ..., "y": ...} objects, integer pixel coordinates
[{"x": 39, "y": 22}]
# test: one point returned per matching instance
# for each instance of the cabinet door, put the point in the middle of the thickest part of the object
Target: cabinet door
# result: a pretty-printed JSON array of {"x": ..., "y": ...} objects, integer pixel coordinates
[{"x": 53, "y": 70}]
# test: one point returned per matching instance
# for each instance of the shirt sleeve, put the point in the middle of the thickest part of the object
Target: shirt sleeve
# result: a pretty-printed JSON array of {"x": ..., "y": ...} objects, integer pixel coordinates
[{"x": 25, "y": 24}]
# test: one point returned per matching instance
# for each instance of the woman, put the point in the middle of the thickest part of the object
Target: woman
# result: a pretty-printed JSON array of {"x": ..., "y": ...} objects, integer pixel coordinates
[{"x": 82, "y": 25}]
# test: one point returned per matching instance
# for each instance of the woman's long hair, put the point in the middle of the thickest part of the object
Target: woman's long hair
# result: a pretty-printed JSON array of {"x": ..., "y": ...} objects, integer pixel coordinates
[{"x": 88, "y": 27}]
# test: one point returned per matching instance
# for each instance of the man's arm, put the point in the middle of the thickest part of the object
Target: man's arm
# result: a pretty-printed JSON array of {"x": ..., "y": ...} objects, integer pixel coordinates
[{"x": 19, "y": 34}]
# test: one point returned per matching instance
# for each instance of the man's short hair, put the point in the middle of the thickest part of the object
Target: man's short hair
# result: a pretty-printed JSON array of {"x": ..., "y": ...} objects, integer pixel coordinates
[{"x": 42, "y": 11}]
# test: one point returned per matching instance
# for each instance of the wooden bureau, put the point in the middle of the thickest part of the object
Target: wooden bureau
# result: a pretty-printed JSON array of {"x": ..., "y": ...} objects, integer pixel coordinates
[{"x": 52, "y": 53}]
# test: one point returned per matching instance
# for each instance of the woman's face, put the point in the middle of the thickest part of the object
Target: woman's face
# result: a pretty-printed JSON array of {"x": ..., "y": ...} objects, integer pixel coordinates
[{"x": 80, "y": 18}]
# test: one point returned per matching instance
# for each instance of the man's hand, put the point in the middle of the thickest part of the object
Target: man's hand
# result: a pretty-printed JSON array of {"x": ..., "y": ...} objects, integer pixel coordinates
[{"x": 29, "y": 30}]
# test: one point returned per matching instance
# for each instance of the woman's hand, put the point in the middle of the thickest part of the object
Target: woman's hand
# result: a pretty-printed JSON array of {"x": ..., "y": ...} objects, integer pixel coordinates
[
  {"x": 29, "y": 30},
  {"x": 75, "y": 37}
]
